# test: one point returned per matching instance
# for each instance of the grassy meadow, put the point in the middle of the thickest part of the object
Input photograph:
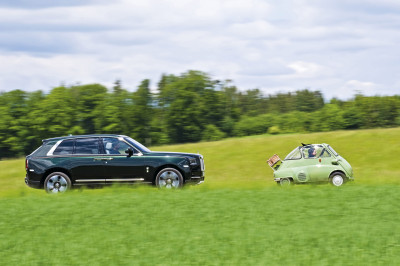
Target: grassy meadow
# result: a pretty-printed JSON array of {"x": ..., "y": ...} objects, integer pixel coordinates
[{"x": 237, "y": 217}]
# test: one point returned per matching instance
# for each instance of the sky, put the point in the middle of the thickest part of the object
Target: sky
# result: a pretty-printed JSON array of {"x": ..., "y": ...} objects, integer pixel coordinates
[{"x": 339, "y": 47}]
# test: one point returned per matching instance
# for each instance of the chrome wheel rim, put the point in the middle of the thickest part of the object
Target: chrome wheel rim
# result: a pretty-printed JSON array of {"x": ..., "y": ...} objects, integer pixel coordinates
[
  {"x": 57, "y": 184},
  {"x": 169, "y": 179},
  {"x": 337, "y": 180}
]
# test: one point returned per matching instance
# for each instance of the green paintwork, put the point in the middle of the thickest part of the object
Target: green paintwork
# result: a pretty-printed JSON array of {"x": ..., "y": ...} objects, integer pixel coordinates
[{"x": 317, "y": 169}]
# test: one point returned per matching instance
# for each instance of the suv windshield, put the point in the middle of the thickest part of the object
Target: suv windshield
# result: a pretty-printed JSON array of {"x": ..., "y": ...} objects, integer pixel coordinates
[{"x": 137, "y": 144}]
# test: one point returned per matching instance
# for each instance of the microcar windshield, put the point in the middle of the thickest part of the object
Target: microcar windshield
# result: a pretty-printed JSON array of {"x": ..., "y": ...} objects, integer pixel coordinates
[{"x": 294, "y": 155}]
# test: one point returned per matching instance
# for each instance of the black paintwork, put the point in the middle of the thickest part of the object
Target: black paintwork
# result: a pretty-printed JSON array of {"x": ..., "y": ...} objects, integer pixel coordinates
[{"x": 101, "y": 169}]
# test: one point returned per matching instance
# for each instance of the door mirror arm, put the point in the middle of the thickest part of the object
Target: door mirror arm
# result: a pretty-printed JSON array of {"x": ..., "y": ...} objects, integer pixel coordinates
[{"x": 129, "y": 152}]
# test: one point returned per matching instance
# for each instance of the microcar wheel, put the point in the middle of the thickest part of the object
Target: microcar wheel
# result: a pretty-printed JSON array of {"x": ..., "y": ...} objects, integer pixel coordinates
[
  {"x": 285, "y": 182},
  {"x": 57, "y": 182},
  {"x": 169, "y": 178},
  {"x": 337, "y": 179}
]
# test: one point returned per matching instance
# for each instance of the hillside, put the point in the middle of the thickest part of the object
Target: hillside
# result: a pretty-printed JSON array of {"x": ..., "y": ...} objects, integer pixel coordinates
[{"x": 241, "y": 162}]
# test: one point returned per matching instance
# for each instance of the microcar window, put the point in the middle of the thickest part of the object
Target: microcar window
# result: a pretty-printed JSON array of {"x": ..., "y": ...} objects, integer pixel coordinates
[
  {"x": 315, "y": 151},
  {"x": 333, "y": 151},
  {"x": 294, "y": 155},
  {"x": 324, "y": 153},
  {"x": 115, "y": 146}
]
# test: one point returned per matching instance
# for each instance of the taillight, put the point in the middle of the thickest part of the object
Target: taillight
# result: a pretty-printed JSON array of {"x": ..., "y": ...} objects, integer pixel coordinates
[{"x": 26, "y": 164}]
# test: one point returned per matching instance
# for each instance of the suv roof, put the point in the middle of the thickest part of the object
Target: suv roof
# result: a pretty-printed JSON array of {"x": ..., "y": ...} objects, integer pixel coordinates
[{"x": 83, "y": 136}]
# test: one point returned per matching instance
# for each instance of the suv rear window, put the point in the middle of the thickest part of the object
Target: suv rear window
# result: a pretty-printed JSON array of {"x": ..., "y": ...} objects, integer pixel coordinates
[
  {"x": 65, "y": 147},
  {"x": 44, "y": 149}
]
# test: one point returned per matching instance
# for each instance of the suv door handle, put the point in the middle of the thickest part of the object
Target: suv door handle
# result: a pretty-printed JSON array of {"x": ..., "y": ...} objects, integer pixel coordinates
[{"x": 103, "y": 159}]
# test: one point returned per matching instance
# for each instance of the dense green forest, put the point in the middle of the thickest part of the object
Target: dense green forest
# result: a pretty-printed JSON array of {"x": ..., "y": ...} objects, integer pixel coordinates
[{"x": 187, "y": 108}]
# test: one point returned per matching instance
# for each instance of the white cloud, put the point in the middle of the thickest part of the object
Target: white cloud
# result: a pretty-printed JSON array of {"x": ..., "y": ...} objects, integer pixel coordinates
[
  {"x": 356, "y": 86},
  {"x": 271, "y": 45},
  {"x": 306, "y": 69}
]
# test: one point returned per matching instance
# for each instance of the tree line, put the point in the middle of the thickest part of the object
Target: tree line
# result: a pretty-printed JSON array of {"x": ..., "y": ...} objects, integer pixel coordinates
[{"x": 190, "y": 107}]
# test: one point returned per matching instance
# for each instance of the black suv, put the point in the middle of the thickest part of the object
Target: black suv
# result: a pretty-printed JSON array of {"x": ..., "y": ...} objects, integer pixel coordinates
[{"x": 63, "y": 162}]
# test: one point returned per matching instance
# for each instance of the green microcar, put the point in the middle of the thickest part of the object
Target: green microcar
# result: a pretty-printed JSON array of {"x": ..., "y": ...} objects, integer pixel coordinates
[{"x": 311, "y": 163}]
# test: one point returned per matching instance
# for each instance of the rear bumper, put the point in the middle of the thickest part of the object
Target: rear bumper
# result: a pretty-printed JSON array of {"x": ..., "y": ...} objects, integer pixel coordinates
[{"x": 32, "y": 183}]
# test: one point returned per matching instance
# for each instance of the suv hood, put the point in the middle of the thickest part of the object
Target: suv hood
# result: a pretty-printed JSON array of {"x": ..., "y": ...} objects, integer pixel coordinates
[{"x": 163, "y": 153}]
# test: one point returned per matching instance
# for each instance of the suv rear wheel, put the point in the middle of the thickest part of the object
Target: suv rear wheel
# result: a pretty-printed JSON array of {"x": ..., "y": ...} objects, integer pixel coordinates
[{"x": 57, "y": 182}]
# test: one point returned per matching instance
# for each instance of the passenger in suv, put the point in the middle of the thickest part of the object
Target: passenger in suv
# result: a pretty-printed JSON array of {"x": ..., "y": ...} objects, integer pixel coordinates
[{"x": 63, "y": 162}]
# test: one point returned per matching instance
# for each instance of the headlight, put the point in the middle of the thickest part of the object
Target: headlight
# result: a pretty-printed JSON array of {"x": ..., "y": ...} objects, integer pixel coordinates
[{"x": 192, "y": 161}]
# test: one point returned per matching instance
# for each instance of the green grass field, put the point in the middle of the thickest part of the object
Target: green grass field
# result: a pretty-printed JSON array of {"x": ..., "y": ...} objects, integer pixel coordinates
[{"x": 237, "y": 217}]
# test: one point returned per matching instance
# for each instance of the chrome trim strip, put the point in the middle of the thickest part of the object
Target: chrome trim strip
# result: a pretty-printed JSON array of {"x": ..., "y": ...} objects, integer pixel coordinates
[
  {"x": 89, "y": 180},
  {"x": 202, "y": 165},
  {"x": 124, "y": 179},
  {"x": 50, "y": 153},
  {"x": 109, "y": 180},
  {"x": 195, "y": 177}
]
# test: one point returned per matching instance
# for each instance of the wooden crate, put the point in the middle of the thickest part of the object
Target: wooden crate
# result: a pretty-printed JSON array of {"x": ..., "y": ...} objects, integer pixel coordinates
[{"x": 273, "y": 160}]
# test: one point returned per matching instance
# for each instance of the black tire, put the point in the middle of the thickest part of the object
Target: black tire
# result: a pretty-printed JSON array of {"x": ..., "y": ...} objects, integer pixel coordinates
[
  {"x": 57, "y": 182},
  {"x": 285, "y": 182},
  {"x": 337, "y": 179},
  {"x": 169, "y": 178}
]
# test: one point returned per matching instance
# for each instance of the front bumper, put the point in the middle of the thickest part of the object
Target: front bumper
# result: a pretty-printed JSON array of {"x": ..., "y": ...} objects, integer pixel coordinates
[
  {"x": 32, "y": 183},
  {"x": 195, "y": 180}
]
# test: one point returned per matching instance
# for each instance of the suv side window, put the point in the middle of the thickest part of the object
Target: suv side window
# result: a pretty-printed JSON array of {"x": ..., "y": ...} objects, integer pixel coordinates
[
  {"x": 115, "y": 146},
  {"x": 65, "y": 147},
  {"x": 87, "y": 146}
]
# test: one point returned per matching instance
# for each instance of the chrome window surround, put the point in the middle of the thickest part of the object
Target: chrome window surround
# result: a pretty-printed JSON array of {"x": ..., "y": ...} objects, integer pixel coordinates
[
  {"x": 137, "y": 153},
  {"x": 50, "y": 153}
]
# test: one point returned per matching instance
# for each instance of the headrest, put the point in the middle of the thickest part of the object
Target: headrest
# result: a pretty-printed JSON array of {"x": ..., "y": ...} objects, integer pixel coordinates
[{"x": 109, "y": 146}]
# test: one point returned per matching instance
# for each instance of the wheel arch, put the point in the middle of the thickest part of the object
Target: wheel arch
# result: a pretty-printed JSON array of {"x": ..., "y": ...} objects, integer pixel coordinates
[
  {"x": 338, "y": 172},
  {"x": 52, "y": 170},
  {"x": 167, "y": 166},
  {"x": 288, "y": 177}
]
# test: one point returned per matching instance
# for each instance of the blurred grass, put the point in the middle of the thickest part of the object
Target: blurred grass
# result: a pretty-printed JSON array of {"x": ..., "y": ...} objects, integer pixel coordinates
[
  {"x": 303, "y": 225},
  {"x": 237, "y": 217}
]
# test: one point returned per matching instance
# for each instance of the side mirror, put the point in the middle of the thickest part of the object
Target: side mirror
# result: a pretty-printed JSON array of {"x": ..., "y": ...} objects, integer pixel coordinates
[
  {"x": 129, "y": 151},
  {"x": 335, "y": 162}
]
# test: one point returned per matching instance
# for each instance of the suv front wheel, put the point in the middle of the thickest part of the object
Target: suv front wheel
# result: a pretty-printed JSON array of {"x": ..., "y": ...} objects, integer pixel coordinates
[
  {"x": 57, "y": 182},
  {"x": 169, "y": 178}
]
